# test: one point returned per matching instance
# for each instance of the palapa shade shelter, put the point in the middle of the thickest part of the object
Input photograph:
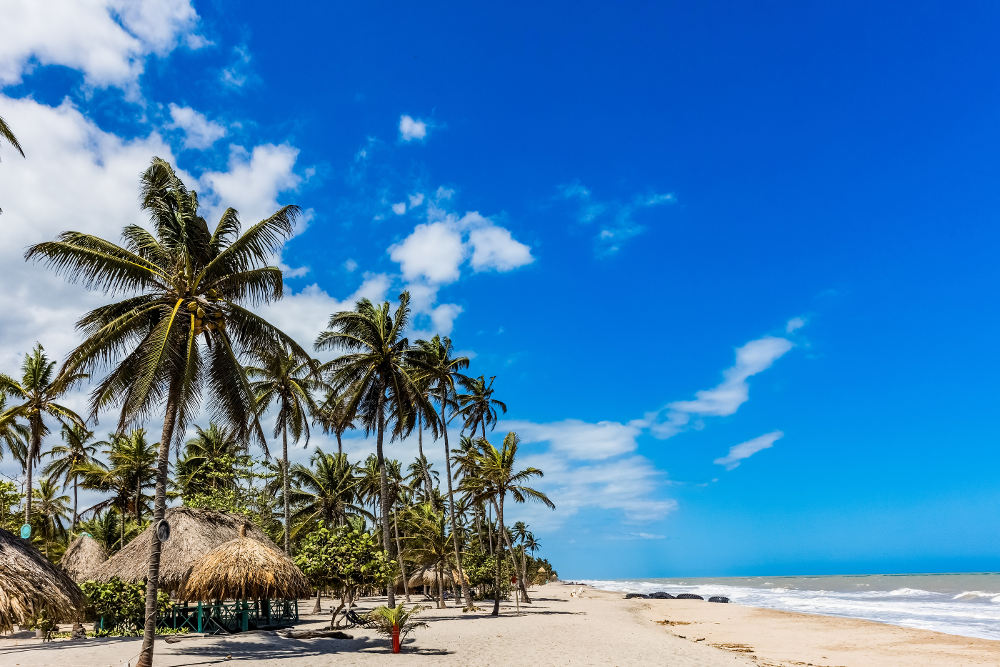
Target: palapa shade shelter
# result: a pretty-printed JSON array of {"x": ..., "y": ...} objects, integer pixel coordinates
[
  {"x": 193, "y": 534},
  {"x": 29, "y": 583},
  {"x": 428, "y": 577},
  {"x": 84, "y": 558},
  {"x": 243, "y": 569}
]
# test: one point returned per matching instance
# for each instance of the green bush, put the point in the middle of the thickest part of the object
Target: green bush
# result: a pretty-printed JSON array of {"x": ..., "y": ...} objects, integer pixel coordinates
[{"x": 120, "y": 603}]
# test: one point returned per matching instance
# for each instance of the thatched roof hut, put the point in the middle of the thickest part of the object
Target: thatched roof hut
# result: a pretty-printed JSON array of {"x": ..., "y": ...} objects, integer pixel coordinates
[
  {"x": 243, "y": 569},
  {"x": 193, "y": 533},
  {"x": 84, "y": 558},
  {"x": 30, "y": 583},
  {"x": 427, "y": 576}
]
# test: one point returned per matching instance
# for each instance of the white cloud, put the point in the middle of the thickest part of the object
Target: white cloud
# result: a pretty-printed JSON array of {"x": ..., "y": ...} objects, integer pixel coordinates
[
  {"x": 616, "y": 218},
  {"x": 399, "y": 208},
  {"x": 253, "y": 180},
  {"x": 494, "y": 248},
  {"x": 107, "y": 40},
  {"x": 432, "y": 251},
  {"x": 745, "y": 450},
  {"x": 350, "y": 265},
  {"x": 578, "y": 439},
  {"x": 302, "y": 315},
  {"x": 725, "y": 398},
  {"x": 443, "y": 318},
  {"x": 411, "y": 129},
  {"x": 199, "y": 131},
  {"x": 416, "y": 200}
]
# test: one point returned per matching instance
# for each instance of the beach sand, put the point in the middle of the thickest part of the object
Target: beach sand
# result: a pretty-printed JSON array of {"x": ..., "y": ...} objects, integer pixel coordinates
[{"x": 566, "y": 625}]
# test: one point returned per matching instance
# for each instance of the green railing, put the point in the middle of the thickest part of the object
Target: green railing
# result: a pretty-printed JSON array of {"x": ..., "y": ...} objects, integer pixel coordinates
[{"x": 217, "y": 618}]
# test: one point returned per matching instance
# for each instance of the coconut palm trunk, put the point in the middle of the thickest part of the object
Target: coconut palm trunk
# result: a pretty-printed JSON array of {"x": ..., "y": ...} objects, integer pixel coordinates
[
  {"x": 284, "y": 482},
  {"x": 76, "y": 500},
  {"x": 499, "y": 559},
  {"x": 384, "y": 498},
  {"x": 420, "y": 448},
  {"x": 399, "y": 552},
  {"x": 159, "y": 509},
  {"x": 36, "y": 446},
  {"x": 513, "y": 555},
  {"x": 451, "y": 507}
]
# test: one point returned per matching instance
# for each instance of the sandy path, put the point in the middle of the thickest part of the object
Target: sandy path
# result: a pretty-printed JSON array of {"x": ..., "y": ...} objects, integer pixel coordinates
[{"x": 556, "y": 630}]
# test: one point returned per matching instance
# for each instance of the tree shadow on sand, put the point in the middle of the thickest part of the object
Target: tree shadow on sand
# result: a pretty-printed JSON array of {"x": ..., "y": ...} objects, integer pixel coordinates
[{"x": 278, "y": 648}]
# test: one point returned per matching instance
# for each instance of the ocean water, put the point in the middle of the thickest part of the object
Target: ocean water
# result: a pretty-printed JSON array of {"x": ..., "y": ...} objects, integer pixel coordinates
[{"x": 966, "y": 604}]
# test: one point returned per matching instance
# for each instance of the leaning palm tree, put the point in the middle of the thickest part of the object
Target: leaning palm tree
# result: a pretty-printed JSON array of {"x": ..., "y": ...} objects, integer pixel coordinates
[
  {"x": 182, "y": 323},
  {"x": 67, "y": 459},
  {"x": 436, "y": 364},
  {"x": 38, "y": 390},
  {"x": 375, "y": 375},
  {"x": 8, "y": 134},
  {"x": 285, "y": 380},
  {"x": 496, "y": 477},
  {"x": 478, "y": 405}
]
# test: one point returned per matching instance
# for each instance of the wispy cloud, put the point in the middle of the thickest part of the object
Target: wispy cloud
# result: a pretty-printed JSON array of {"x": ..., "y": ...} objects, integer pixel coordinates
[
  {"x": 725, "y": 398},
  {"x": 744, "y": 450},
  {"x": 616, "y": 219}
]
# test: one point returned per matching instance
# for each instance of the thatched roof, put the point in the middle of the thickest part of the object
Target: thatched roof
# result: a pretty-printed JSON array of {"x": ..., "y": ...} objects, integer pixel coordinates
[
  {"x": 29, "y": 583},
  {"x": 428, "y": 577},
  {"x": 193, "y": 533},
  {"x": 244, "y": 569},
  {"x": 84, "y": 558}
]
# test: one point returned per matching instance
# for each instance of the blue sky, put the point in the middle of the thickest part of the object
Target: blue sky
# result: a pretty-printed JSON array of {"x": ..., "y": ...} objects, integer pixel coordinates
[{"x": 734, "y": 267}]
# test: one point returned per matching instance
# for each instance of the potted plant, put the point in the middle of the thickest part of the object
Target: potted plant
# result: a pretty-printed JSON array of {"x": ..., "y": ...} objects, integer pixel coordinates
[{"x": 396, "y": 622}]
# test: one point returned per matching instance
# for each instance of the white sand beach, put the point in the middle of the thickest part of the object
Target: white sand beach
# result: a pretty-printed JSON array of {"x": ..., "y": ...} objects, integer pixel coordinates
[{"x": 566, "y": 625}]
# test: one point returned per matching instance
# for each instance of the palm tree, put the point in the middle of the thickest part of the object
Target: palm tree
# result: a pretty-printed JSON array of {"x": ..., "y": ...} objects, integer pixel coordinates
[
  {"x": 7, "y": 134},
  {"x": 51, "y": 511},
  {"x": 326, "y": 492},
  {"x": 495, "y": 478},
  {"x": 39, "y": 389},
  {"x": 421, "y": 472},
  {"x": 130, "y": 470},
  {"x": 111, "y": 529},
  {"x": 429, "y": 541},
  {"x": 333, "y": 418},
  {"x": 183, "y": 323},
  {"x": 67, "y": 458},
  {"x": 441, "y": 370},
  {"x": 14, "y": 436},
  {"x": 478, "y": 406},
  {"x": 428, "y": 419},
  {"x": 207, "y": 462},
  {"x": 284, "y": 379},
  {"x": 375, "y": 375}
]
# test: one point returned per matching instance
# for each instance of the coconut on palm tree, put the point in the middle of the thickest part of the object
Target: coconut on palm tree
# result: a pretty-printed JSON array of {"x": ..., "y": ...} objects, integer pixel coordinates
[
  {"x": 69, "y": 457},
  {"x": 39, "y": 389},
  {"x": 285, "y": 380},
  {"x": 437, "y": 365},
  {"x": 182, "y": 324},
  {"x": 375, "y": 375}
]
